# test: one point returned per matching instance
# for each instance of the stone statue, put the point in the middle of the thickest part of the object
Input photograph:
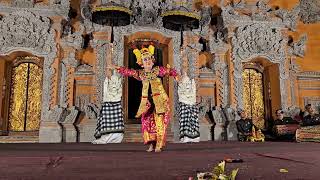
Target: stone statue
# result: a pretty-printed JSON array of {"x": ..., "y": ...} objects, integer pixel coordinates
[
  {"x": 232, "y": 127},
  {"x": 219, "y": 128}
]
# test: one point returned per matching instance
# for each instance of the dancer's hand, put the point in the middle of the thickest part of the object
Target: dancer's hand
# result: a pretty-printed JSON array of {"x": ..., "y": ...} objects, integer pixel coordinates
[
  {"x": 112, "y": 66},
  {"x": 177, "y": 78}
]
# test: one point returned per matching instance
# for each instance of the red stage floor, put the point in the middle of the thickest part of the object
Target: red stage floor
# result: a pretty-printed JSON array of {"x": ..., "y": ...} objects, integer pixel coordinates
[{"x": 178, "y": 161}]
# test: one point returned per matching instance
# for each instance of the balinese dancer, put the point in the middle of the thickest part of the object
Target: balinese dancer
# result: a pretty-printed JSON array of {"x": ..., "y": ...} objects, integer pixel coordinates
[
  {"x": 188, "y": 111},
  {"x": 110, "y": 126},
  {"x": 154, "y": 106}
]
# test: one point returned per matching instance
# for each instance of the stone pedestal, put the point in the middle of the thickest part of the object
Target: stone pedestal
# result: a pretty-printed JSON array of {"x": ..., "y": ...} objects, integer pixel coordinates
[
  {"x": 219, "y": 132},
  {"x": 205, "y": 130},
  {"x": 232, "y": 131},
  {"x": 69, "y": 133},
  {"x": 50, "y": 132},
  {"x": 175, "y": 128},
  {"x": 86, "y": 130}
]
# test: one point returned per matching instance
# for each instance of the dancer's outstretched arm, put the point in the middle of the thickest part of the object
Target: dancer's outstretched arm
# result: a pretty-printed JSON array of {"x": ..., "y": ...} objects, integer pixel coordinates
[
  {"x": 169, "y": 71},
  {"x": 125, "y": 71}
]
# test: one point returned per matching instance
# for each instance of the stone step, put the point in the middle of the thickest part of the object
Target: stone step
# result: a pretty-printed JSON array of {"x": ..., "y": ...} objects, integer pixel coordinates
[
  {"x": 19, "y": 139},
  {"x": 132, "y": 128}
]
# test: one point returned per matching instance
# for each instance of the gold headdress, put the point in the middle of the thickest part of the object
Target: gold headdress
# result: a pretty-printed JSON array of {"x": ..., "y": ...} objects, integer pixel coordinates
[{"x": 144, "y": 52}]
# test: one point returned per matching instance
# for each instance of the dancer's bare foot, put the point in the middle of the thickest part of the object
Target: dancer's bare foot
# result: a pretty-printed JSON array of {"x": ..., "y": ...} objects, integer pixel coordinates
[
  {"x": 157, "y": 150},
  {"x": 150, "y": 148}
]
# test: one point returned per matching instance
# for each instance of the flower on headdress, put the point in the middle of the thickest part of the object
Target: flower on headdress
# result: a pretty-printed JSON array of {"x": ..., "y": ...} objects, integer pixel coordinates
[{"x": 143, "y": 53}]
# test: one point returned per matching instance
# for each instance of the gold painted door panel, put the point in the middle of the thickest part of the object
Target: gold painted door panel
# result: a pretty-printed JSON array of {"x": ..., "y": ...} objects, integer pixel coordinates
[
  {"x": 253, "y": 96},
  {"x": 25, "y": 97}
]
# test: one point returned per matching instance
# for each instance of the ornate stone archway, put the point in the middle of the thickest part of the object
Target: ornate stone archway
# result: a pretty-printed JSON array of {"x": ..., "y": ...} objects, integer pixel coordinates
[
  {"x": 258, "y": 40},
  {"x": 26, "y": 31},
  {"x": 260, "y": 34}
]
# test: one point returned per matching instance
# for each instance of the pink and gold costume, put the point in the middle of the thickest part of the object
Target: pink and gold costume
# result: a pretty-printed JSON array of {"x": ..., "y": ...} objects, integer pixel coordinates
[{"x": 155, "y": 115}]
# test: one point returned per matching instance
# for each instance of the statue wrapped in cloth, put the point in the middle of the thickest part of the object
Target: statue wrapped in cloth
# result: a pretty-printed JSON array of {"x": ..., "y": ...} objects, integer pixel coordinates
[
  {"x": 110, "y": 125},
  {"x": 310, "y": 127},
  {"x": 188, "y": 111},
  {"x": 154, "y": 105}
]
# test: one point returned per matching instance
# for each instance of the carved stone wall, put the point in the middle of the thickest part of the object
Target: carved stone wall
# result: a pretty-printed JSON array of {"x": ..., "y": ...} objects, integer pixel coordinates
[
  {"x": 26, "y": 31},
  {"x": 310, "y": 11},
  {"x": 52, "y": 8},
  {"x": 260, "y": 34}
]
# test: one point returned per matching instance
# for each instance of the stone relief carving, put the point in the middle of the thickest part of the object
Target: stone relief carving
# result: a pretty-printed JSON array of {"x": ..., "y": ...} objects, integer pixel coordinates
[
  {"x": 92, "y": 111},
  {"x": 23, "y": 3},
  {"x": 262, "y": 13},
  {"x": 205, "y": 14},
  {"x": 310, "y": 11},
  {"x": 258, "y": 40},
  {"x": 298, "y": 48},
  {"x": 28, "y": 31},
  {"x": 84, "y": 69},
  {"x": 82, "y": 100},
  {"x": 56, "y": 114},
  {"x": 147, "y": 13},
  {"x": 71, "y": 117},
  {"x": 289, "y": 18},
  {"x": 295, "y": 49},
  {"x": 53, "y": 8},
  {"x": 217, "y": 43},
  {"x": 74, "y": 40}
]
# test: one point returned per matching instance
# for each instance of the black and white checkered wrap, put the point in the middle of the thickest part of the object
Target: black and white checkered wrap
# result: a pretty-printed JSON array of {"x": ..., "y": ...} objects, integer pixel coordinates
[
  {"x": 110, "y": 119},
  {"x": 189, "y": 124}
]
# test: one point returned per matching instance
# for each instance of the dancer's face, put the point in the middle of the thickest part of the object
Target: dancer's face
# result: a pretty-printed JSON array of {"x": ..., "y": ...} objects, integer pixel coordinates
[{"x": 148, "y": 62}]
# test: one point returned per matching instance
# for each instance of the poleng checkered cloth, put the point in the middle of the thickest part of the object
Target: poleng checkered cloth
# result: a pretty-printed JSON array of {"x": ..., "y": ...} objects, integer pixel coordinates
[
  {"x": 189, "y": 124},
  {"x": 110, "y": 119}
]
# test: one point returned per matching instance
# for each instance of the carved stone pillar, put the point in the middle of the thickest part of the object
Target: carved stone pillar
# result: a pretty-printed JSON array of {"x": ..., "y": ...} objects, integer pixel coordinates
[
  {"x": 102, "y": 49},
  {"x": 69, "y": 130},
  {"x": 50, "y": 130},
  {"x": 89, "y": 123},
  {"x": 221, "y": 70}
]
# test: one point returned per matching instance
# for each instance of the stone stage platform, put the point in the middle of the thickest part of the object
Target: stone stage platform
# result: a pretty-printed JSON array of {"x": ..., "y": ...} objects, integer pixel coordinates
[{"x": 178, "y": 161}]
